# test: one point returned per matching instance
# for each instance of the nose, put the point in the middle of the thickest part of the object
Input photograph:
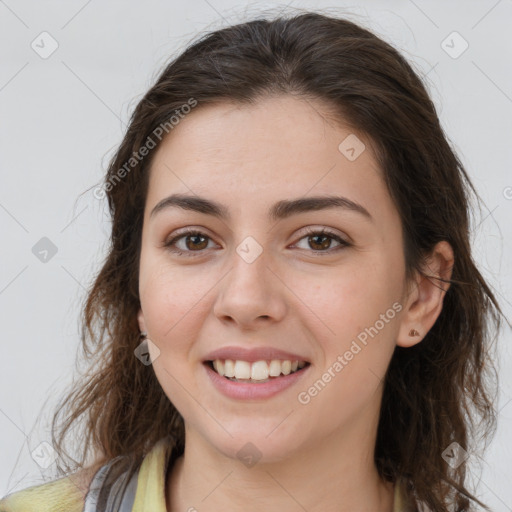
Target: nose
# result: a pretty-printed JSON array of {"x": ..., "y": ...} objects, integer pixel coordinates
[{"x": 251, "y": 295}]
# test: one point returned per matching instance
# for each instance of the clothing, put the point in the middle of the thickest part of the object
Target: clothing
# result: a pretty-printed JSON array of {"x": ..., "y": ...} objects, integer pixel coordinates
[
  {"x": 143, "y": 492},
  {"x": 113, "y": 491}
]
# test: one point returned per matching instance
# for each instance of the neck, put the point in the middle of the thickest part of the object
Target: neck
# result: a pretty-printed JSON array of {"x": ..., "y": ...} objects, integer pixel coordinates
[{"x": 335, "y": 473}]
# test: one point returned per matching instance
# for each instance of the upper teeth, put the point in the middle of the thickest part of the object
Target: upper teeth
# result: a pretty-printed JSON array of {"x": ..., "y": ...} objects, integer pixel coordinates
[{"x": 259, "y": 370}]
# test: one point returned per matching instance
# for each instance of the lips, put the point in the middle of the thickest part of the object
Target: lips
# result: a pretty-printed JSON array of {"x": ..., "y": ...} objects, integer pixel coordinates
[
  {"x": 254, "y": 354},
  {"x": 249, "y": 389}
]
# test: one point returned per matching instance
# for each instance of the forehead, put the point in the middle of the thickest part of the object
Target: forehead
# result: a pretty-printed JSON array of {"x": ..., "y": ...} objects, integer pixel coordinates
[{"x": 279, "y": 147}]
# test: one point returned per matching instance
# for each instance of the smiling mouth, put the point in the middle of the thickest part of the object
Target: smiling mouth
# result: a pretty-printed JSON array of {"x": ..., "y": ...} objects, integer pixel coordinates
[{"x": 258, "y": 371}]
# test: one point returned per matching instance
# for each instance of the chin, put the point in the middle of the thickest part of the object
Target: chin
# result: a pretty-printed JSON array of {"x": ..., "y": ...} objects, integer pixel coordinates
[{"x": 255, "y": 447}]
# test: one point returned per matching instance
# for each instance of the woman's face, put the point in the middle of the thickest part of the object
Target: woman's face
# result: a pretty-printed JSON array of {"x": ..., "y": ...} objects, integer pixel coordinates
[{"x": 260, "y": 283}]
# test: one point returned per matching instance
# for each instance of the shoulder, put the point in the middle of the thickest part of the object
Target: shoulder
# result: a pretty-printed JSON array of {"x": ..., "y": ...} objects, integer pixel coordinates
[
  {"x": 112, "y": 481},
  {"x": 66, "y": 494}
]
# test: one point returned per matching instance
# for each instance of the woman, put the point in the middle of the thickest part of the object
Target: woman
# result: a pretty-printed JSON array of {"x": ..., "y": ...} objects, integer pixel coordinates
[{"x": 289, "y": 316}]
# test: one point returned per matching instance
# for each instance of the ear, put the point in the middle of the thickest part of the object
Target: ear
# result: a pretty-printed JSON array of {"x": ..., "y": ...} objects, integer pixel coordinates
[
  {"x": 140, "y": 319},
  {"x": 425, "y": 295}
]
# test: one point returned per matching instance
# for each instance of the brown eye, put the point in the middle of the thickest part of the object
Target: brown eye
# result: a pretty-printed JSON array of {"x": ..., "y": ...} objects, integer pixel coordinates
[
  {"x": 194, "y": 242},
  {"x": 320, "y": 242},
  {"x": 197, "y": 242}
]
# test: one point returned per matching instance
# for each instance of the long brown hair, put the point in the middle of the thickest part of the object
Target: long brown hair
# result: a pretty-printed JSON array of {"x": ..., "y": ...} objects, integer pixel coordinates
[{"x": 439, "y": 391}]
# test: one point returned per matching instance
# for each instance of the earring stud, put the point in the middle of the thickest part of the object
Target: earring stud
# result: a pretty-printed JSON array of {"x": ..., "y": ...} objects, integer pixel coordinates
[
  {"x": 143, "y": 334},
  {"x": 414, "y": 332}
]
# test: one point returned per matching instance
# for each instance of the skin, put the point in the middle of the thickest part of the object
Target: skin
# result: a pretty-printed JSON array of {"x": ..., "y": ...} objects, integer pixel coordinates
[{"x": 316, "y": 456}]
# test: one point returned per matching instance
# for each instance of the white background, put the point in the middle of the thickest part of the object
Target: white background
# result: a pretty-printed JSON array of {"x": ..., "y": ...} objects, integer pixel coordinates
[{"x": 62, "y": 118}]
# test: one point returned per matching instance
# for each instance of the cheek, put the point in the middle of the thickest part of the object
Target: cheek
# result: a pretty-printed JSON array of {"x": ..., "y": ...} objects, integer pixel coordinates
[
  {"x": 172, "y": 299},
  {"x": 173, "y": 302},
  {"x": 353, "y": 303},
  {"x": 355, "y": 344},
  {"x": 340, "y": 300}
]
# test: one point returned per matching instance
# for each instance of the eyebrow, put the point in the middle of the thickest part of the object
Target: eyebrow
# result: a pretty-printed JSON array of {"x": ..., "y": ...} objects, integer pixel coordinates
[{"x": 280, "y": 210}]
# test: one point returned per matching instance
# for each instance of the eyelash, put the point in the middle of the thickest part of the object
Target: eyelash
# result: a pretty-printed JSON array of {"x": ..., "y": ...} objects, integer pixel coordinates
[{"x": 169, "y": 245}]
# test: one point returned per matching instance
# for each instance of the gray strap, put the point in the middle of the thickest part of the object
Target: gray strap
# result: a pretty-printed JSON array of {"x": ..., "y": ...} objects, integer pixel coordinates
[
  {"x": 111, "y": 490},
  {"x": 129, "y": 494},
  {"x": 92, "y": 497}
]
